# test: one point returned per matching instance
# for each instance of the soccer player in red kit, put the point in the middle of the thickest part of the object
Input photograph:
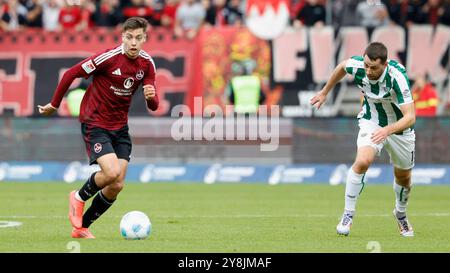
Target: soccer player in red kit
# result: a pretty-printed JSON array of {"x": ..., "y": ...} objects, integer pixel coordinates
[{"x": 117, "y": 73}]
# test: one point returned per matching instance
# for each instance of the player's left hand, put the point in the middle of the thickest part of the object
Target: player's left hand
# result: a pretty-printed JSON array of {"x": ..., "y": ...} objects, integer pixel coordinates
[
  {"x": 149, "y": 92},
  {"x": 379, "y": 135}
]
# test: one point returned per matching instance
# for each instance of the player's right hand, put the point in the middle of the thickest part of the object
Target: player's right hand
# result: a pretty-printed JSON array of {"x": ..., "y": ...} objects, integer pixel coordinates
[
  {"x": 318, "y": 99},
  {"x": 47, "y": 110}
]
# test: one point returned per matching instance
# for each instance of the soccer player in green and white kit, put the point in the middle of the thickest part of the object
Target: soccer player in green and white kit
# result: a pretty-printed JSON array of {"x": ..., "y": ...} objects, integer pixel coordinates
[{"x": 385, "y": 121}]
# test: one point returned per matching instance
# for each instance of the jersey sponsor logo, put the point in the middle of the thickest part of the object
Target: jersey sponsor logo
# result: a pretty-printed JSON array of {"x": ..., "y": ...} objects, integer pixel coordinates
[
  {"x": 88, "y": 66},
  {"x": 97, "y": 148},
  {"x": 117, "y": 72},
  {"x": 120, "y": 92},
  {"x": 405, "y": 92},
  {"x": 140, "y": 75},
  {"x": 128, "y": 83}
]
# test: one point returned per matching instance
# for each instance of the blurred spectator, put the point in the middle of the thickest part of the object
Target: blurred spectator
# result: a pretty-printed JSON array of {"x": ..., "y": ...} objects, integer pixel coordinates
[
  {"x": 425, "y": 98},
  {"x": 415, "y": 13},
  {"x": 157, "y": 8},
  {"x": 425, "y": 12},
  {"x": 312, "y": 14},
  {"x": 138, "y": 8},
  {"x": 168, "y": 13},
  {"x": 219, "y": 13},
  {"x": 445, "y": 16},
  {"x": 70, "y": 16},
  {"x": 372, "y": 14},
  {"x": 34, "y": 13},
  {"x": 344, "y": 13},
  {"x": 296, "y": 6},
  {"x": 234, "y": 13},
  {"x": 14, "y": 16},
  {"x": 215, "y": 12},
  {"x": 87, "y": 9},
  {"x": 397, "y": 10},
  {"x": 189, "y": 18},
  {"x": 107, "y": 13},
  {"x": 432, "y": 11},
  {"x": 50, "y": 15}
]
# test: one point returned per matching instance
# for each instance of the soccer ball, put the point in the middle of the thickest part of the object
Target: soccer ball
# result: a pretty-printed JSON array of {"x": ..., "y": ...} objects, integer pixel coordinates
[{"x": 135, "y": 225}]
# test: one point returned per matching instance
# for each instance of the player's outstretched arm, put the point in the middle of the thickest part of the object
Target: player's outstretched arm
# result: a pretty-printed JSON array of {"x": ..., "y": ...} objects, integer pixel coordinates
[
  {"x": 69, "y": 76},
  {"x": 336, "y": 76},
  {"x": 47, "y": 109}
]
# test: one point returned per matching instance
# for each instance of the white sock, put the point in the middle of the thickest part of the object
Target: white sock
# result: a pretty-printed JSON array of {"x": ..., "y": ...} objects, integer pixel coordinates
[
  {"x": 401, "y": 197},
  {"x": 77, "y": 196},
  {"x": 353, "y": 188}
]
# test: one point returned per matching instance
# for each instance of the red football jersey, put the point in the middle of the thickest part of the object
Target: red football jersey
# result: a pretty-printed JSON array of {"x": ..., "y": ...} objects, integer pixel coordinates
[{"x": 115, "y": 79}]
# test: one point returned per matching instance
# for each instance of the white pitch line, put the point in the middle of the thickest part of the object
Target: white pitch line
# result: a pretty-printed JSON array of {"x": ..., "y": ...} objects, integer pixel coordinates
[
  {"x": 7, "y": 224},
  {"x": 435, "y": 214}
]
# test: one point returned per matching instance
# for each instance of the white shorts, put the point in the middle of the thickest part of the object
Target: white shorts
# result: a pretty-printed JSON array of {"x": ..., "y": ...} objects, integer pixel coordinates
[{"x": 401, "y": 148}]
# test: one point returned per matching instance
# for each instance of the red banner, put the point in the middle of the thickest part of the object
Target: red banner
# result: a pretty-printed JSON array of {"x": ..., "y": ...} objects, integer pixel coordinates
[{"x": 31, "y": 64}]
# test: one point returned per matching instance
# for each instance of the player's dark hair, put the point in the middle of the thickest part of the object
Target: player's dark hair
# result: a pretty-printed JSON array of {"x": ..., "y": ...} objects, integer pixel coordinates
[
  {"x": 135, "y": 23},
  {"x": 376, "y": 50}
]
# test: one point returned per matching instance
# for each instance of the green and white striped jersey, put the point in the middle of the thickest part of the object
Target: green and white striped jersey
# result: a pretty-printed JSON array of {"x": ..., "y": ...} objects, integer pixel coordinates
[{"x": 383, "y": 97}]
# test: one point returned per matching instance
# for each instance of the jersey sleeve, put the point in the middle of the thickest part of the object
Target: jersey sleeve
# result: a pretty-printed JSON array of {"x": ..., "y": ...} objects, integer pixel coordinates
[
  {"x": 69, "y": 76},
  {"x": 353, "y": 64},
  {"x": 149, "y": 79},
  {"x": 401, "y": 87},
  {"x": 150, "y": 74},
  {"x": 95, "y": 63},
  {"x": 85, "y": 69}
]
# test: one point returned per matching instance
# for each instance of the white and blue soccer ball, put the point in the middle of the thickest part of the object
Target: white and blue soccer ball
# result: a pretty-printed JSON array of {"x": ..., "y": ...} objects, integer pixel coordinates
[{"x": 135, "y": 225}]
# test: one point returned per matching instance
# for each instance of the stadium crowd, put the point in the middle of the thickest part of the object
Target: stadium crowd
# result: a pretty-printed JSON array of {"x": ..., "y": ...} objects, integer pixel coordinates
[{"x": 186, "y": 16}]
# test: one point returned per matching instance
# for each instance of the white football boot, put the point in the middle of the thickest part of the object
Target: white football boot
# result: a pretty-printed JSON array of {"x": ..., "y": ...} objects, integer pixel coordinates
[
  {"x": 404, "y": 226},
  {"x": 343, "y": 228}
]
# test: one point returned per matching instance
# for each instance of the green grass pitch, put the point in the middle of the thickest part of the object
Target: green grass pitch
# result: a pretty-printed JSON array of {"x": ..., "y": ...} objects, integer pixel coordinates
[{"x": 230, "y": 218}]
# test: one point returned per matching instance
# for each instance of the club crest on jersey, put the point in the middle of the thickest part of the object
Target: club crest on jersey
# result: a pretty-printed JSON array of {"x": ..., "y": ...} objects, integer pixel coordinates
[
  {"x": 128, "y": 83},
  {"x": 97, "y": 148},
  {"x": 140, "y": 75}
]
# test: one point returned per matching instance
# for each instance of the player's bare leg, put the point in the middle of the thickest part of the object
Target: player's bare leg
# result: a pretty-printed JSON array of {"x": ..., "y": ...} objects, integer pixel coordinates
[
  {"x": 402, "y": 188},
  {"x": 108, "y": 194},
  {"x": 107, "y": 176},
  {"x": 110, "y": 171},
  {"x": 354, "y": 186},
  {"x": 111, "y": 191}
]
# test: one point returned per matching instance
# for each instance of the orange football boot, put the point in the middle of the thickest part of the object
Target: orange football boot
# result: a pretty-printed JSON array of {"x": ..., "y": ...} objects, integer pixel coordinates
[
  {"x": 82, "y": 233},
  {"x": 76, "y": 209}
]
